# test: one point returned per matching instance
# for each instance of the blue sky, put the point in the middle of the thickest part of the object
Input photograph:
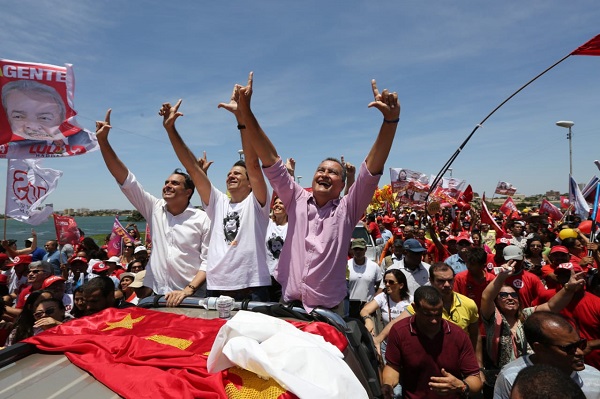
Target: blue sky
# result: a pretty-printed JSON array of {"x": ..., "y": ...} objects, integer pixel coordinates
[{"x": 450, "y": 62}]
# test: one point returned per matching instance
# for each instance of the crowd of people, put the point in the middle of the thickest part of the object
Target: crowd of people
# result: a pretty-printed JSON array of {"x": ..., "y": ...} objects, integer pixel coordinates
[{"x": 454, "y": 306}]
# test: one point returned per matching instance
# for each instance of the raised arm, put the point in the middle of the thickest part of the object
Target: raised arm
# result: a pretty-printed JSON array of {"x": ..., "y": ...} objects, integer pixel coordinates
[
  {"x": 563, "y": 297},
  {"x": 260, "y": 142},
  {"x": 389, "y": 106},
  {"x": 185, "y": 155},
  {"x": 255, "y": 175},
  {"x": 491, "y": 291},
  {"x": 115, "y": 166}
]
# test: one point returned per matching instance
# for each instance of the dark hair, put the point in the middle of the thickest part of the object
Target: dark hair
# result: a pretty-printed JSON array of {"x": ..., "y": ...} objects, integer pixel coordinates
[
  {"x": 24, "y": 323},
  {"x": 75, "y": 311},
  {"x": 399, "y": 243},
  {"x": 41, "y": 300},
  {"x": 428, "y": 294},
  {"x": 401, "y": 278},
  {"x": 542, "y": 381},
  {"x": 536, "y": 324},
  {"x": 241, "y": 163},
  {"x": 439, "y": 266},
  {"x": 340, "y": 163},
  {"x": 188, "y": 182},
  {"x": 477, "y": 256},
  {"x": 103, "y": 283},
  {"x": 569, "y": 242},
  {"x": 527, "y": 251}
]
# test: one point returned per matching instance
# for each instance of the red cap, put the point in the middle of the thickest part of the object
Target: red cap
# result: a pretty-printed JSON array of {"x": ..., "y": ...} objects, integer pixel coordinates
[
  {"x": 51, "y": 280},
  {"x": 464, "y": 236},
  {"x": 3, "y": 257},
  {"x": 559, "y": 248},
  {"x": 99, "y": 267},
  {"x": 20, "y": 260}
]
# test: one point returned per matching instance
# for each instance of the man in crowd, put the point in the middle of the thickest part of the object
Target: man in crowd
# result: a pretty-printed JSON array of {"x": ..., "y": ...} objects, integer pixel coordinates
[
  {"x": 428, "y": 355},
  {"x": 237, "y": 256},
  {"x": 99, "y": 294},
  {"x": 179, "y": 231},
  {"x": 472, "y": 282},
  {"x": 363, "y": 276},
  {"x": 458, "y": 261},
  {"x": 309, "y": 271},
  {"x": 416, "y": 271},
  {"x": 554, "y": 342},
  {"x": 397, "y": 255},
  {"x": 53, "y": 256},
  {"x": 527, "y": 284},
  {"x": 542, "y": 381}
]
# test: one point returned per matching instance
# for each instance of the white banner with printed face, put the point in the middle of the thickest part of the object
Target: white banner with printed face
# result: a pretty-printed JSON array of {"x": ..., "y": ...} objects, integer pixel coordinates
[{"x": 27, "y": 187}]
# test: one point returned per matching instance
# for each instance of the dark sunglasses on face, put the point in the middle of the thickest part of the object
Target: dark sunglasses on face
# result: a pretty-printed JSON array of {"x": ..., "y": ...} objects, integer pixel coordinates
[
  {"x": 42, "y": 313},
  {"x": 390, "y": 282},
  {"x": 571, "y": 349},
  {"x": 504, "y": 295}
]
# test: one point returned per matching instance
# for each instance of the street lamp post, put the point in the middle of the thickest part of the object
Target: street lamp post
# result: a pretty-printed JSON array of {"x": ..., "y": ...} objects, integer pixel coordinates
[
  {"x": 568, "y": 124},
  {"x": 299, "y": 177},
  {"x": 241, "y": 152}
]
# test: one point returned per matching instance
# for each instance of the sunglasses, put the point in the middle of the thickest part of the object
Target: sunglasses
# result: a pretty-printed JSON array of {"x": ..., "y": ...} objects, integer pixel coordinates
[
  {"x": 42, "y": 313},
  {"x": 504, "y": 295},
  {"x": 35, "y": 271},
  {"x": 571, "y": 349},
  {"x": 390, "y": 282}
]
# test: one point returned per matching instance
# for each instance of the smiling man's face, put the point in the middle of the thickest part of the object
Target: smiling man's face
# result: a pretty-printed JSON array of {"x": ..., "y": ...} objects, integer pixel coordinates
[{"x": 328, "y": 180}]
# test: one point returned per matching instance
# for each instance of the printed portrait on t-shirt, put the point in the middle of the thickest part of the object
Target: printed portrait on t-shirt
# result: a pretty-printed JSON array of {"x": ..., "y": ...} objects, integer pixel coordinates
[
  {"x": 231, "y": 225},
  {"x": 274, "y": 246}
]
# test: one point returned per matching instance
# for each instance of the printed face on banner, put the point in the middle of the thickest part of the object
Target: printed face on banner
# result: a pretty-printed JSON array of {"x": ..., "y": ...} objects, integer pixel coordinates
[
  {"x": 410, "y": 185},
  {"x": 37, "y": 119},
  {"x": 34, "y": 110}
]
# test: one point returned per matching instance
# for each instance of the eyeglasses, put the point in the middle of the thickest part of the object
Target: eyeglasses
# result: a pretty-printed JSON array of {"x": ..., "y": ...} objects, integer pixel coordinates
[
  {"x": 35, "y": 271},
  {"x": 504, "y": 295},
  {"x": 42, "y": 313},
  {"x": 390, "y": 282},
  {"x": 571, "y": 349}
]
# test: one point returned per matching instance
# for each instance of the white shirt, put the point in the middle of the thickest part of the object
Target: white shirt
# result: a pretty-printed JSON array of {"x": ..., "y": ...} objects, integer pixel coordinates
[
  {"x": 414, "y": 279},
  {"x": 387, "y": 306},
  {"x": 362, "y": 279},
  {"x": 275, "y": 238},
  {"x": 179, "y": 242},
  {"x": 237, "y": 256}
]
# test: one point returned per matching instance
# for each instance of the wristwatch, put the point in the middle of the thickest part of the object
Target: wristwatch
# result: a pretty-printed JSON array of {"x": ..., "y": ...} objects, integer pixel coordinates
[{"x": 466, "y": 390}]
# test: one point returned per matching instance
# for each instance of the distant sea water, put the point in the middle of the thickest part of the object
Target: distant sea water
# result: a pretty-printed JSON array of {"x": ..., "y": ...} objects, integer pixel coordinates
[{"x": 91, "y": 225}]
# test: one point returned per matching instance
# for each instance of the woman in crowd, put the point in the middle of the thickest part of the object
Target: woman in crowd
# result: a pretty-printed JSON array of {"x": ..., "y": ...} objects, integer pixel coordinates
[
  {"x": 78, "y": 303},
  {"x": 534, "y": 257},
  {"x": 503, "y": 319},
  {"x": 276, "y": 233},
  {"x": 136, "y": 266},
  {"x": 127, "y": 255},
  {"x": 477, "y": 242},
  {"x": 391, "y": 302},
  {"x": 128, "y": 293},
  {"x": 23, "y": 327},
  {"x": 48, "y": 313}
]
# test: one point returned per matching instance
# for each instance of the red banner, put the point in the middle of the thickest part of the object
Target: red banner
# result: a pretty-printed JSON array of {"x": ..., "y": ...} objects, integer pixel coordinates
[
  {"x": 66, "y": 230},
  {"x": 508, "y": 207},
  {"x": 162, "y": 355},
  {"x": 553, "y": 212},
  {"x": 591, "y": 47},
  {"x": 486, "y": 217},
  {"x": 148, "y": 239},
  {"x": 117, "y": 237}
]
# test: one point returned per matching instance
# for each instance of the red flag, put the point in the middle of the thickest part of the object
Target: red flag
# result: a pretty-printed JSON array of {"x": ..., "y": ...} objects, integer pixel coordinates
[
  {"x": 564, "y": 202},
  {"x": 148, "y": 239},
  {"x": 467, "y": 195},
  {"x": 118, "y": 235},
  {"x": 162, "y": 355},
  {"x": 486, "y": 217},
  {"x": 508, "y": 207},
  {"x": 591, "y": 47},
  {"x": 553, "y": 212},
  {"x": 66, "y": 230}
]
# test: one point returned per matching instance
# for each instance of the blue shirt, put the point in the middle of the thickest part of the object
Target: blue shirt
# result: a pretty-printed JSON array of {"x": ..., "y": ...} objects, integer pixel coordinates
[{"x": 456, "y": 263}]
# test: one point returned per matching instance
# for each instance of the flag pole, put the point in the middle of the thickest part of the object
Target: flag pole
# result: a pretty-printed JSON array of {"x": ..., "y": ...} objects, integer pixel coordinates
[
  {"x": 460, "y": 148},
  {"x": 594, "y": 215}
]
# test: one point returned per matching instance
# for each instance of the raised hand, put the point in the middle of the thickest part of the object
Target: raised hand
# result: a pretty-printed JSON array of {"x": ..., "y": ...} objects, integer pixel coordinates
[
  {"x": 290, "y": 165},
  {"x": 240, "y": 97},
  {"x": 103, "y": 127},
  {"x": 386, "y": 102},
  {"x": 204, "y": 163},
  {"x": 170, "y": 114}
]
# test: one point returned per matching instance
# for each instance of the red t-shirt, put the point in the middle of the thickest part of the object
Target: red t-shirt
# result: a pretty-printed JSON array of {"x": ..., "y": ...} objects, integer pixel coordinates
[
  {"x": 584, "y": 313},
  {"x": 23, "y": 297},
  {"x": 529, "y": 287},
  {"x": 466, "y": 285},
  {"x": 420, "y": 358},
  {"x": 374, "y": 230}
]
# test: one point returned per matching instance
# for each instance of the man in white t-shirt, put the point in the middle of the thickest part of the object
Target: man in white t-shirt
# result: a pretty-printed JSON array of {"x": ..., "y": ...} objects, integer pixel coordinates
[
  {"x": 236, "y": 263},
  {"x": 416, "y": 271},
  {"x": 363, "y": 276}
]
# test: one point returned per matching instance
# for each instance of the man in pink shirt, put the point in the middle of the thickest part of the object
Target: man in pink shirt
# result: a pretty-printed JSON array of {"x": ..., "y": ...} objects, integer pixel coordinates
[{"x": 312, "y": 263}]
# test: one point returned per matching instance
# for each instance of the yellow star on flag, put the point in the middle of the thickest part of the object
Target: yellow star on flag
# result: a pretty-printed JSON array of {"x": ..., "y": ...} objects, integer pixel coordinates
[{"x": 126, "y": 322}]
